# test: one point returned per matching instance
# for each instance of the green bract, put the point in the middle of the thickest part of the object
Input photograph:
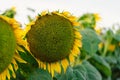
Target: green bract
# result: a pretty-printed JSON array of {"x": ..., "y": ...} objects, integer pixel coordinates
[
  {"x": 51, "y": 38},
  {"x": 7, "y": 44}
]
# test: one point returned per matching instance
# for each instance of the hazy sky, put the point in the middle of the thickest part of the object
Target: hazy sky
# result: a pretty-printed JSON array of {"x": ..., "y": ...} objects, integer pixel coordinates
[{"x": 109, "y": 10}]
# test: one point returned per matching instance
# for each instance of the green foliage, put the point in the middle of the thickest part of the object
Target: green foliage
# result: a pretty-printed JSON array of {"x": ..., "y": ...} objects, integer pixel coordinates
[
  {"x": 84, "y": 71},
  {"x": 39, "y": 74},
  {"x": 27, "y": 56},
  {"x": 10, "y": 12},
  {"x": 100, "y": 63},
  {"x": 90, "y": 41},
  {"x": 114, "y": 61},
  {"x": 117, "y": 35}
]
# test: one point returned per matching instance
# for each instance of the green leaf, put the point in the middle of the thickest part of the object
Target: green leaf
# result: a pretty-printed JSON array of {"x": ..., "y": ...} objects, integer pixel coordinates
[
  {"x": 28, "y": 57},
  {"x": 9, "y": 13},
  {"x": 19, "y": 76},
  {"x": 30, "y": 18},
  {"x": 117, "y": 35},
  {"x": 89, "y": 72},
  {"x": 69, "y": 75},
  {"x": 80, "y": 72},
  {"x": 117, "y": 57},
  {"x": 31, "y": 9},
  {"x": 83, "y": 71},
  {"x": 101, "y": 65},
  {"x": 111, "y": 59},
  {"x": 90, "y": 41},
  {"x": 39, "y": 74},
  {"x": 92, "y": 72}
]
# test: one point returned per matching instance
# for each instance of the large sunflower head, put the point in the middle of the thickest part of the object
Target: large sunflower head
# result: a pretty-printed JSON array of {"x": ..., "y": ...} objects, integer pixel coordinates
[
  {"x": 54, "y": 40},
  {"x": 8, "y": 44}
]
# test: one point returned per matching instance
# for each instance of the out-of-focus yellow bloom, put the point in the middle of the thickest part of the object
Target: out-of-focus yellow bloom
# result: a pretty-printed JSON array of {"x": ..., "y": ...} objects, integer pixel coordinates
[
  {"x": 111, "y": 47},
  {"x": 97, "y": 17},
  {"x": 100, "y": 46},
  {"x": 98, "y": 30},
  {"x": 13, "y": 8}
]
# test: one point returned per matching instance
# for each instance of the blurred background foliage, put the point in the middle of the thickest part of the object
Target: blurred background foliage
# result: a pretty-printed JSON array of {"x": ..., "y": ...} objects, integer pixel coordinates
[{"x": 99, "y": 58}]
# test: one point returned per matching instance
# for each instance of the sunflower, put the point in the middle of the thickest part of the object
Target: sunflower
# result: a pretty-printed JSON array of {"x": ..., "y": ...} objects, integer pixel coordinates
[
  {"x": 9, "y": 38},
  {"x": 53, "y": 39}
]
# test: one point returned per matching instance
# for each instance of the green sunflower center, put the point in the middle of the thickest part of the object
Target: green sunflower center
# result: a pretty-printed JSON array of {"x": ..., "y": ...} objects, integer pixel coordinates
[
  {"x": 7, "y": 44},
  {"x": 51, "y": 38}
]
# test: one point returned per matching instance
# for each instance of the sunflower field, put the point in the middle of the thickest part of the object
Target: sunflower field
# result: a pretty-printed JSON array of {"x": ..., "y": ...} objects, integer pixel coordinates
[{"x": 58, "y": 46}]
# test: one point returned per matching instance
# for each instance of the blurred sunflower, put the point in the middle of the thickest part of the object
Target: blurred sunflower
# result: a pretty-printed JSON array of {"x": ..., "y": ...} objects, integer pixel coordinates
[
  {"x": 9, "y": 38},
  {"x": 54, "y": 40},
  {"x": 97, "y": 17},
  {"x": 111, "y": 47},
  {"x": 89, "y": 20}
]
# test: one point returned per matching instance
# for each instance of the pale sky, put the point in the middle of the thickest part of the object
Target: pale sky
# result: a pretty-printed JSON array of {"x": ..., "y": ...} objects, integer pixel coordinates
[{"x": 109, "y": 10}]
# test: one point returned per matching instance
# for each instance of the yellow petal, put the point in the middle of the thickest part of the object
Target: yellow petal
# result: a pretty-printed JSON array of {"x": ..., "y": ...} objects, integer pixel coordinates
[
  {"x": 39, "y": 63},
  {"x": 11, "y": 68},
  {"x": 0, "y": 77},
  {"x": 44, "y": 13},
  {"x": 58, "y": 67},
  {"x": 66, "y": 13},
  {"x": 19, "y": 59},
  {"x": 73, "y": 53},
  {"x": 100, "y": 45},
  {"x": 78, "y": 43},
  {"x": 71, "y": 58},
  {"x": 52, "y": 69},
  {"x": 8, "y": 74},
  {"x": 73, "y": 18},
  {"x": 97, "y": 17},
  {"x": 13, "y": 8},
  {"x": 49, "y": 67},
  {"x": 28, "y": 27},
  {"x": 75, "y": 50},
  {"x": 44, "y": 66},
  {"x": 78, "y": 35},
  {"x": 76, "y": 23},
  {"x": 64, "y": 64},
  {"x": 98, "y": 30},
  {"x": 56, "y": 12},
  {"x": 3, "y": 76}
]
